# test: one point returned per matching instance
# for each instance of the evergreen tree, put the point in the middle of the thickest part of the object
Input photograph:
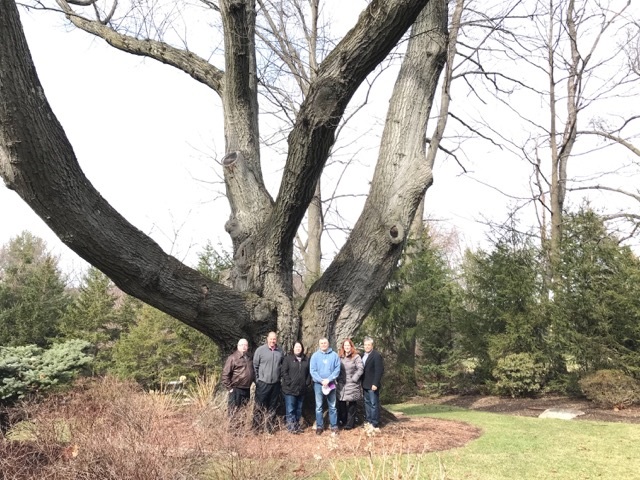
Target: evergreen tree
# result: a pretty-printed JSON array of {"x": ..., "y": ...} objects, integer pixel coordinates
[
  {"x": 214, "y": 264},
  {"x": 415, "y": 310},
  {"x": 159, "y": 349},
  {"x": 597, "y": 304},
  {"x": 29, "y": 369},
  {"x": 504, "y": 308},
  {"x": 99, "y": 314},
  {"x": 32, "y": 292}
]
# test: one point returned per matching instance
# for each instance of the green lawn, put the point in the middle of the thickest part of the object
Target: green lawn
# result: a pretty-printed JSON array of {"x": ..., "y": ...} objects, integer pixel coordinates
[{"x": 514, "y": 448}]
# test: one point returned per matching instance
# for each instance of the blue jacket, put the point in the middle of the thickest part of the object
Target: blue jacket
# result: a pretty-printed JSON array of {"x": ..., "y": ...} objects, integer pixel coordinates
[{"x": 325, "y": 365}]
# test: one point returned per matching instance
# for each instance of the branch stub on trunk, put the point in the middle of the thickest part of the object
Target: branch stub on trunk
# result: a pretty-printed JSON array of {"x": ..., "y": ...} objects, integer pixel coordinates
[
  {"x": 232, "y": 157},
  {"x": 396, "y": 234}
]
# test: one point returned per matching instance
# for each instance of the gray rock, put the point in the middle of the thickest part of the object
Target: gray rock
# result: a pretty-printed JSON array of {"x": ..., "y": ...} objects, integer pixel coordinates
[{"x": 561, "y": 413}]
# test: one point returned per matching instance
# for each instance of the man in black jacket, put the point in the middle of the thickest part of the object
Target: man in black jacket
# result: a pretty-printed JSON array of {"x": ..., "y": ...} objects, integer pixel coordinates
[{"x": 371, "y": 382}]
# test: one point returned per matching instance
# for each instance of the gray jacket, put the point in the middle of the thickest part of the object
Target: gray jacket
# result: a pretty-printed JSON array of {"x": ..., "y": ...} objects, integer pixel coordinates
[
  {"x": 267, "y": 364},
  {"x": 351, "y": 369}
]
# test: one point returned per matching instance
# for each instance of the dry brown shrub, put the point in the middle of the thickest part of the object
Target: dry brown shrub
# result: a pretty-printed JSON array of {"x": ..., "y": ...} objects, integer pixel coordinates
[
  {"x": 106, "y": 429},
  {"x": 112, "y": 429}
]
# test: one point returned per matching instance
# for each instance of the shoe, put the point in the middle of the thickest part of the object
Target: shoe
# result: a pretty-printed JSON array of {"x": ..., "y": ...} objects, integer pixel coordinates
[
  {"x": 348, "y": 428},
  {"x": 318, "y": 431},
  {"x": 334, "y": 431}
]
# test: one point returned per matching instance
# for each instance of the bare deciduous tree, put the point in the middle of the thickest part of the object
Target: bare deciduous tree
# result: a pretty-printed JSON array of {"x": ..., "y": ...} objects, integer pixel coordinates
[
  {"x": 554, "y": 67},
  {"x": 37, "y": 161}
]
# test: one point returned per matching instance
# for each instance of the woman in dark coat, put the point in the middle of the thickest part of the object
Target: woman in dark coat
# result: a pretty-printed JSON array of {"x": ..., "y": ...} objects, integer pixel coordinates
[
  {"x": 295, "y": 380},
  {"x": 349, "y": 388}
]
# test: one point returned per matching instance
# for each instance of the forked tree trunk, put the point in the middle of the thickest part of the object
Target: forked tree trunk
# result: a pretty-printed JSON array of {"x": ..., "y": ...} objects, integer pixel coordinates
[{"x": 37, "y": 161}]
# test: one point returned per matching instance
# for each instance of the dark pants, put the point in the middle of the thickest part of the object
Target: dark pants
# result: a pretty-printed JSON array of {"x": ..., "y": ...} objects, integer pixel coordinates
[
  {"x": 347, "y": 413},
  {"x": 372, "y": 407},
  {"x": 266, "y": 403},
  {"x": 237, "y": 400}
]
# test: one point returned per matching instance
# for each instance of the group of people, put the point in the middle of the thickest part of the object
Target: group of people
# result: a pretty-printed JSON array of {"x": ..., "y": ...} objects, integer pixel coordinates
[{"x": 340, "y": 379}]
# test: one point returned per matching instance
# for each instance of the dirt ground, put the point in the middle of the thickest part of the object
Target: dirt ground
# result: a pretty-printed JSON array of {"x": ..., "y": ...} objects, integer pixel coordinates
[{"x": 416, "y": 435}]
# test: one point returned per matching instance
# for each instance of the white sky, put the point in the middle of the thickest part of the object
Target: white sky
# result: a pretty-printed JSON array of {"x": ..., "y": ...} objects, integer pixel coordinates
[{"x": 145, "y": 133}]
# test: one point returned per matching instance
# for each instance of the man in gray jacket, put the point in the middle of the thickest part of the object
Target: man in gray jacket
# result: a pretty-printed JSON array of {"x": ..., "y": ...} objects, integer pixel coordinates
[{"x": 267, "y": 361}]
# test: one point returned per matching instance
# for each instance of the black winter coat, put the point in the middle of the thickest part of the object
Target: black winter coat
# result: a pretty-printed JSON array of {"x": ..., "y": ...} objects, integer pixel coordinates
[
  {"x": 295, "y": 375},
  {"x": 373, "y": 370}
]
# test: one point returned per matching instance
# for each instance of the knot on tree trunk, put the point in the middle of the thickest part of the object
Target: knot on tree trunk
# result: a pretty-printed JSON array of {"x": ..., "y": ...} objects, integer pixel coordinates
[
  {"x": 396, "y": 233},
  {"x": 231, "y": 158},
  {"x": 234, "y": 229}
]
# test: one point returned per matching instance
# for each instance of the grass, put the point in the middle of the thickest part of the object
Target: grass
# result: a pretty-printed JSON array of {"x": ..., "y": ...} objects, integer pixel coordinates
[{"x": 514, "y": 447}]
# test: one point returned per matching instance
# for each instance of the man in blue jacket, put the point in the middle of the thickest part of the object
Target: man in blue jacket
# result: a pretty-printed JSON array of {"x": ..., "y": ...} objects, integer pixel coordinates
[{"x": 325, "y": 368}]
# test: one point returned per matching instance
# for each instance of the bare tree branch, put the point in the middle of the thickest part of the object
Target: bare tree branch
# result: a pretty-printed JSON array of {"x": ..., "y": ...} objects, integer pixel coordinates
[{"x": 188, "y": 62}]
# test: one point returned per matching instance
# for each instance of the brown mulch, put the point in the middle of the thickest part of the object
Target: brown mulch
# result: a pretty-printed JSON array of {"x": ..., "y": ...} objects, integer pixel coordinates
[
  {"x": 414, "y": 434},
  {"x": 407, "y": 435},
  {"x": 533, "y": 407}
]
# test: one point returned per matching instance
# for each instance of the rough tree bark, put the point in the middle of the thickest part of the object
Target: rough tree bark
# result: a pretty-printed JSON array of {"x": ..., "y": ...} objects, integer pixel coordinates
[{"x": 37, "y": 161}]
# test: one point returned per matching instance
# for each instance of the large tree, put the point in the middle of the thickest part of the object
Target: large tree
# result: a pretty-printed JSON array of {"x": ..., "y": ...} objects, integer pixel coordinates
[{"x": 38, "y": 162}]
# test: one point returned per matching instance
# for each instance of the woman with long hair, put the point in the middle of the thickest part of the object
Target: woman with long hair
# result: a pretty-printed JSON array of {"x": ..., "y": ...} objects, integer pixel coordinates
[{"x": 348, "y": 384}]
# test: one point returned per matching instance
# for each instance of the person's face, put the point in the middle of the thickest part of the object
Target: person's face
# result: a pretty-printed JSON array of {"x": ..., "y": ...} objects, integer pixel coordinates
[
  {"x": 347, "y": 348},
  {"x": 272, "y": 339},
  {"x": 368, "y": 346},
  {"x": 324, "y": 344},
  {"x": 243, "y": 346},
  {"x": 297, "y": 349}
]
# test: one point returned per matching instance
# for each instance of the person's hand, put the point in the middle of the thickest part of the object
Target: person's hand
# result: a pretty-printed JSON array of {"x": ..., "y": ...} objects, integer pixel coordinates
[
  {"x": 374, "y": 388},
  {"x": 325, "y": 382}
]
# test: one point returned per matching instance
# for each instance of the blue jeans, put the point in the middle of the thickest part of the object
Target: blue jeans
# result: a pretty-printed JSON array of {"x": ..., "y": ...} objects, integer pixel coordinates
[
  {"x": 372, "y": 407},
  {"x": 331, "y": 401},
  {"x": 293, "y": 407}
]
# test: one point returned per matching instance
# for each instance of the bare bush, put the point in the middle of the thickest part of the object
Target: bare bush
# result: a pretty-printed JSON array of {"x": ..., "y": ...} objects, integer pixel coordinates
[{"x": 107, "y": 429}]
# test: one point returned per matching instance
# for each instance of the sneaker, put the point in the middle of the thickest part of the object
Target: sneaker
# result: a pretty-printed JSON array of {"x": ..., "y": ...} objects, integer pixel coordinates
[
  {"x": 318, "y": 431},
  {"x": 334, "y": 431}
]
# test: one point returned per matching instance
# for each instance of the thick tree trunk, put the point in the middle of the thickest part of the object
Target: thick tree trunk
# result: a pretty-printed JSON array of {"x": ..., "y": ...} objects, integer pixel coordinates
[
  {"x": 37, "y": 161},
  {"x": 343, "y": 296}
]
